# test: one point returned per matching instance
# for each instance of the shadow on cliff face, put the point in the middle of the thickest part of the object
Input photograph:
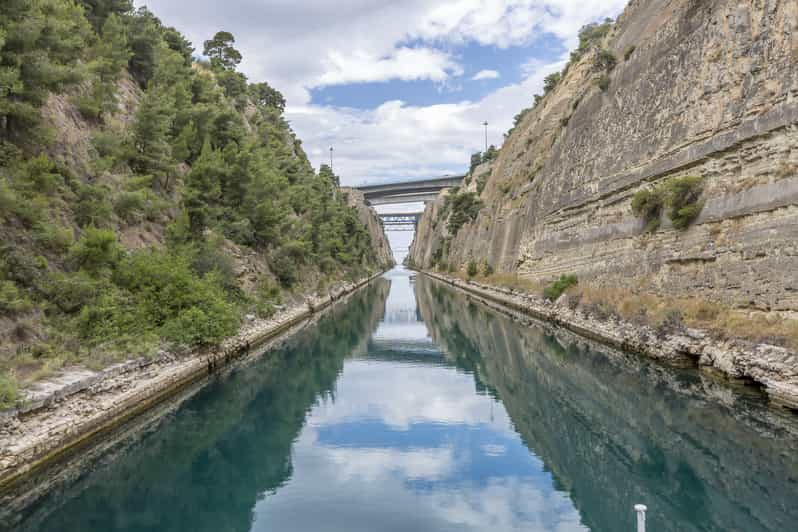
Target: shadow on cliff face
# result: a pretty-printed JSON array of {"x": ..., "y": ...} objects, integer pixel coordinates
[
  {"x": 203, "y": 466},
  {"x": 616, "y": 430}
]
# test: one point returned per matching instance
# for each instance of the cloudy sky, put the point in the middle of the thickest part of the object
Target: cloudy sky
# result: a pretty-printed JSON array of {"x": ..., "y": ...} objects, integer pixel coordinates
[{"x": 400, "y": 88}]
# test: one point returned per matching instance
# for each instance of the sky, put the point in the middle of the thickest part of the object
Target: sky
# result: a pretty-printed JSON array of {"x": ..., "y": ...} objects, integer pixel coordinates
[{"x": 399, "y": 88}]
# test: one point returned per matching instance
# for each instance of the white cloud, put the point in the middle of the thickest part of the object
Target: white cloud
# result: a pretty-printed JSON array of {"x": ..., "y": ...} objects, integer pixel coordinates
[
  {"x": 486, "y": 74},
  {"x": 405, "y": 64},
  {"x": 297, "y": 45}
]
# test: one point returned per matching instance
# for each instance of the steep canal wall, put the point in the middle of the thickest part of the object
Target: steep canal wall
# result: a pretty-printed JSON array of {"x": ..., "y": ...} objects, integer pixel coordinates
[
  {"x": 772, "y": 367},
  {"x": 74, "y": 413}
]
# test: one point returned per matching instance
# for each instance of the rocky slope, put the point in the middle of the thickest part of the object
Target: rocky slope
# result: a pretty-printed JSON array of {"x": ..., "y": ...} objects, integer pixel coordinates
[{"x": 705, "y": 88}]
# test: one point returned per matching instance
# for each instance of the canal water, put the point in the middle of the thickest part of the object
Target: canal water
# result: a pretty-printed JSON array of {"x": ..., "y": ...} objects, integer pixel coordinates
[{"x": 413, "y": 408}]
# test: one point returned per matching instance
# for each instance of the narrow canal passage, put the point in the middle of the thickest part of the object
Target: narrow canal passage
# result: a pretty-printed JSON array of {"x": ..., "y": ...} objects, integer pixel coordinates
[{"x": 412, "y": 408}]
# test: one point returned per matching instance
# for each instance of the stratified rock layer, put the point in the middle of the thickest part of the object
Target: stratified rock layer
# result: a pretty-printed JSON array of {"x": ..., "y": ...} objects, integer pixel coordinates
[{"x": 709, "y": 89}]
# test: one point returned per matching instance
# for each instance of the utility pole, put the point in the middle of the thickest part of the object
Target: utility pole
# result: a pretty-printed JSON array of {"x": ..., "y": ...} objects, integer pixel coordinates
[
  {"x": 331, "y": 158},
  {"x": 486, "y": 136}
]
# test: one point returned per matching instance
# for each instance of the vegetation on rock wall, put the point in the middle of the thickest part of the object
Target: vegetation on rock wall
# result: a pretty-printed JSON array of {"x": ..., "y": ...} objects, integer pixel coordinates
[
  {"x": 681, "y": 197},
  {"x": 135, "y": 237}
]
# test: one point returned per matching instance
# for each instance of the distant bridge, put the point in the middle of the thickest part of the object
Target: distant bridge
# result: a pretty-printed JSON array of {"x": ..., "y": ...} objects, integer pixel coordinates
[
  {"x": 400, "y": 221},
  {"x": 409, "y": 191}
]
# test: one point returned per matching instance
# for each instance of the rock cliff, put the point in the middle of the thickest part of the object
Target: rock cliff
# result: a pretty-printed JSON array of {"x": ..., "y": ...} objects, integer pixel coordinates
[
  {"x": 703, "y": 88},
  {"x": 368, "y": 216}
]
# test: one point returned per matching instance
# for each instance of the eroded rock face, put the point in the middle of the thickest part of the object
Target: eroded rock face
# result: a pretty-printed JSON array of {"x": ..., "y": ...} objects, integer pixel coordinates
[
  {"x": 372, "y": 222},
  {"x": 711, "y": 89}
]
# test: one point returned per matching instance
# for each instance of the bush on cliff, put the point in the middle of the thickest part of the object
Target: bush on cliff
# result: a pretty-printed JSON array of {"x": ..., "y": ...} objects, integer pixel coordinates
[
  {"x": 8, "y": 391},
  {"x": 683, "y": 199},
  {"x": 471, "y": 268},
  {"x": 680, "y": 196},
  {"x": 555, "y": 289}
]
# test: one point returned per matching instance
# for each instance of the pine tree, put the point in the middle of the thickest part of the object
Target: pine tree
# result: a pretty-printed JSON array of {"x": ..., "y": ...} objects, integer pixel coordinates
[{"x": 42, "y": 41}]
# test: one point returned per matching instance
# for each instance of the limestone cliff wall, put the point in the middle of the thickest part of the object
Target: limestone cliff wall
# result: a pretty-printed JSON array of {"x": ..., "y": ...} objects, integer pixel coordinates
[
  {"x": 372, "y": 222},
  {"x": 710, "y": 89}
]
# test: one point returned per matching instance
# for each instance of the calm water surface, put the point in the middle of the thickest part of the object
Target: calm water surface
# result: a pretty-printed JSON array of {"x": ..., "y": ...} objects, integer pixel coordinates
[{"x": 412, "y": 408}]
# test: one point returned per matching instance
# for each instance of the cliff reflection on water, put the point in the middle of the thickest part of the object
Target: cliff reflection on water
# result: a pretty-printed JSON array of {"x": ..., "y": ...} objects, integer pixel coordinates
[
  {"x": 615, "y": 429},
  {"x": 411, "y": 407}
]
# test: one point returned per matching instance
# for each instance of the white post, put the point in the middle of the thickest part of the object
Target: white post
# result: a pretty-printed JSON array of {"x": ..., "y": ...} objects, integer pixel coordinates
[{"x": 641, "y": 517}]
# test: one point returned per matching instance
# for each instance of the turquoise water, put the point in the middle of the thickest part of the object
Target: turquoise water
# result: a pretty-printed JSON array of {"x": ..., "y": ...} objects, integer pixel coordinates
[{"x": 413, "y": 408}]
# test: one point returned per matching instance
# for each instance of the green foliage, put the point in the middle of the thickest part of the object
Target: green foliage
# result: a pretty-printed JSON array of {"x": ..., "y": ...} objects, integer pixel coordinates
[
  {"x": 551, "y": 81},
  {"x": 98, "y": 11},
  {"x": 12, "y": 299},
  {"x": 471, "y": 268},
  {"x": 41, "y": 43},
  {"x": 555, "y": 289},
  {"x": 284, "y": 266},
  {"x": 264, "y": 95},
  {"x": 476, "y": 160},
  {"x": 247, "y": 179},
  {"x": 157, "y": 291},
  {"x": 221, "y": 51},
  {"x": 482, "y": 180},
  {"x": 491, "y": 154},
  {"x": 680, "y": 196},
  {"x": 683, "y": 200},
  {"x": 589, "y": 36},
  {"x": 487, "y": 269},
  {"x": 96, "y": 250},
  {"x": 647, "y": 204},
  {"x": 9, "y": 391},
  {"x": 462, "y": 207},
  {"x": 92, "y": 206},
  {"x": 605, "y": 60},
  {"x": 603, "y": 83}
]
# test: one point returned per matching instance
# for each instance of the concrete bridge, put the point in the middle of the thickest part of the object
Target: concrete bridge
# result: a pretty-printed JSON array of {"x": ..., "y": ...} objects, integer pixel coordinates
[{"x": 409, "y": 191}]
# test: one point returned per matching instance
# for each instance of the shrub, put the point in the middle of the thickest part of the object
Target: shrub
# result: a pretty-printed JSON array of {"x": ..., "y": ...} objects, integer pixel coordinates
[
  {"x": 555, "y": 289},
  {"x": 681, "y": 196},
  {"x": 97, "y": 249},
  {"x": 471, "y": 268},
  {"x": 92, "y": 206},
  {"x": 54, "y": 237},
  {"x": 12, "y": 299},
  {"x": 647, "y": 204},
  {"x": 482, "y": 180},
  {"x": 551, "y": 81},
  {"x": 589, "y": 36},
  {"x": 284, "y": 267},
  {"x": 8, "y": 391},
  {"x": 603, "y": 83},
  {"x": 129, "y": 205},
  {"x": 205, "y": 325},
  {"x": 605, "y": 60},
  {"x": 464, "y": 207},
  {"x": 487, "y": 269},
  {"x": 683, "y": 199}
]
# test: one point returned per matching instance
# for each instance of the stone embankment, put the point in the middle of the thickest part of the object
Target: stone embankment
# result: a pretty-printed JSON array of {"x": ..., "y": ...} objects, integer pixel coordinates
[
  {"x": 68, "y": 411},
  {"x": 768, "y": 366}
]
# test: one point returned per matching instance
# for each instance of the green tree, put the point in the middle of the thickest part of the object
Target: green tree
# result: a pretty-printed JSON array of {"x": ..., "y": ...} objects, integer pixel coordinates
[
  {"x": 41, "y": 42},
  {"x": 266, "y": 96},
  {"x": 476, "y": 160},
  {"x": 221, "y": 52},
  {"x": 152, "y": 152},
  {"x": 203, "y": 189},
  {"x": 98, "y": 11}
]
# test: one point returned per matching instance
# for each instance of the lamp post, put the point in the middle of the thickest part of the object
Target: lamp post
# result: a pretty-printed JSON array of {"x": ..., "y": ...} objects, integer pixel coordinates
[
  {"x": 486, "y": 135},
  {"x": 331, "y": 158}
]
